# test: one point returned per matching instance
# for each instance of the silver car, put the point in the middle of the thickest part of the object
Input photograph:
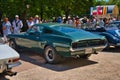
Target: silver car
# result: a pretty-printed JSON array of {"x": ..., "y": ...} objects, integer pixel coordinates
[{"x": 9, "y": 58}]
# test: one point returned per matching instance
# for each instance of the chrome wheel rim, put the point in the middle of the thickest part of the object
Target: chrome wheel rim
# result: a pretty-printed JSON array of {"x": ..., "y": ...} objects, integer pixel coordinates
[{"x": 50, "y": 54}]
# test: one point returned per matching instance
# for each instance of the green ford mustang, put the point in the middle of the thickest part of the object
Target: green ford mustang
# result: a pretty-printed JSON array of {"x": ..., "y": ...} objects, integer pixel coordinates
[{"x": 58, "y": 40}]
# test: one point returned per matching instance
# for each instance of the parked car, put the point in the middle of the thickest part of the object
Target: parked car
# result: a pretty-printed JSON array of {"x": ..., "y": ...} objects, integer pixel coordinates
[
  {"x": 115, "y": 24},
  {"x": 111, "y": 32},
  {"x": 58, "y": 40},
  {"x": 9, "y": 58}
]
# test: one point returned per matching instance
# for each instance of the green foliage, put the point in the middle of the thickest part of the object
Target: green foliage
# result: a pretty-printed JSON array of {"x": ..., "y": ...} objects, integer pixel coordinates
[{"x": 47, "y": 9}]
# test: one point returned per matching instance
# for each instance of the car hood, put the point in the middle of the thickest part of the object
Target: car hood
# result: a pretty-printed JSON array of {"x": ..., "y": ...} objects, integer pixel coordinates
[
  {"x": 83, "y": 35},
  {"x": 7, "y": 52}
]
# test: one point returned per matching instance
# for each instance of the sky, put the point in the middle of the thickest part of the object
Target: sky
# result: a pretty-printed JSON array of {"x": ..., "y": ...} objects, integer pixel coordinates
[{"x": 106, "y": 0}]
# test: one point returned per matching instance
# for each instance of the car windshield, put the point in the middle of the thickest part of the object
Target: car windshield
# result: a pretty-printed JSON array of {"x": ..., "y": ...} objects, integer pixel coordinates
[
  {"x": 111, "y": 26},
  {"x": 65, "y": 29},
  {"x": 117, "y": 25}
]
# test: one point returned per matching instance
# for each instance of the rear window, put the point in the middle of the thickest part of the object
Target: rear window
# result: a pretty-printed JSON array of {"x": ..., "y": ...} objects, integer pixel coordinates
[{"x": 65, "y": 29}]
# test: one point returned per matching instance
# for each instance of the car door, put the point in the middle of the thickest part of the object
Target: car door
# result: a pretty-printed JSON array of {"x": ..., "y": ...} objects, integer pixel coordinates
[{"x": 32, "y": 38}]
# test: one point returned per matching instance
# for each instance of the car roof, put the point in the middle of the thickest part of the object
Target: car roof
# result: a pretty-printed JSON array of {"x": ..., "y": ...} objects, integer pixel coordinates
[
  {"x": 51, "y": 24},
  {"x": 116, "y": 21}
]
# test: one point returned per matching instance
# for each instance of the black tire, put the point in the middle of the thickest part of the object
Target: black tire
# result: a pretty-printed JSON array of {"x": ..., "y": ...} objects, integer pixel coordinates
[
  {"x": 12, "y": 44},
  {"x": 51, "y": 55},
  {"x": 117, "y": 47}
]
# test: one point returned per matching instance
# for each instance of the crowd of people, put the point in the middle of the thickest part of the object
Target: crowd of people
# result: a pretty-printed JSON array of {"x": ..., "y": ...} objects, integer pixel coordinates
[
  {"x": 15, "y": 26},
  {"x": 84, "y": 22},
  {"x": 87, "y": 22}
]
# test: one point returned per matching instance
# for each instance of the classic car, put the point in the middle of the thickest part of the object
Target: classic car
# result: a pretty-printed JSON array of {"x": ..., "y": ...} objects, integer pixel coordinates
[
  {"x": 9, "y": 58},
  {"x": 58, "y": 40},
  {"x": 111, "y": 32},
  {"x": 115, "y": 23}
]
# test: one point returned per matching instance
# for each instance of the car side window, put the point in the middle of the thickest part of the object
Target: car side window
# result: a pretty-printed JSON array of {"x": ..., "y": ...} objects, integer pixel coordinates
[{"x": 36, "y": 29}]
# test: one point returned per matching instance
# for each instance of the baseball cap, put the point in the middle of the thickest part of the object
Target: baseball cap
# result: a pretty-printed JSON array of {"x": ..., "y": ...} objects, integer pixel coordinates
[
  {"x": 36, "y": 16},
  {"x": 16, "y": 16}
]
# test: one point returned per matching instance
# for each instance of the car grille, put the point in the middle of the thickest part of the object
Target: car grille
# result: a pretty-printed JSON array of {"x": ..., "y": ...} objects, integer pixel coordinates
[{"x": 88, "y": 43}]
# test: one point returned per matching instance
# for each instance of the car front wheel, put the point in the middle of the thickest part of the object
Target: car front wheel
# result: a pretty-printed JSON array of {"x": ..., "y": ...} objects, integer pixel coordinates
[
  {"x": 12, "y": 44},
  {"x": 51, "y": 55}
]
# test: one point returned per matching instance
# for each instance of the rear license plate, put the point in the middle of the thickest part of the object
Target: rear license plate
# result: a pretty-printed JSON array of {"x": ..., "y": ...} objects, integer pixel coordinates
[{"x": 88, "y": 50}]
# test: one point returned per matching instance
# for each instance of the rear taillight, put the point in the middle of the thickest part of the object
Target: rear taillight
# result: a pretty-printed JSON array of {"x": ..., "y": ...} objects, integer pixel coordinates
[
  {"x": 74, "y": 45},
  {"x": 13, "y": 60},
  {"x": 16, "y": 59}
]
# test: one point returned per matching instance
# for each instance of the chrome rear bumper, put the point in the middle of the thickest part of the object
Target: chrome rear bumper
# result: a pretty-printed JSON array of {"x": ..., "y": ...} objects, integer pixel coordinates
[
  {"x": 79, "y": 49},
  {"x": 13, "y": 64},
  {"x": 87, "y": 50}
]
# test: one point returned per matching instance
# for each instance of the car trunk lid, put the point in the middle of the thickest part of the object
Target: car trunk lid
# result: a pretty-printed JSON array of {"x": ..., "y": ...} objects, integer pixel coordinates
[
  {"x": 7, "y": 52},
  {"x": 83, "y": 35}
]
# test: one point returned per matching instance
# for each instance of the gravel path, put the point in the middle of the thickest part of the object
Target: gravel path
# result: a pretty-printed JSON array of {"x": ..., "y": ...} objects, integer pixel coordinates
[{"x": 104, "y": 66}]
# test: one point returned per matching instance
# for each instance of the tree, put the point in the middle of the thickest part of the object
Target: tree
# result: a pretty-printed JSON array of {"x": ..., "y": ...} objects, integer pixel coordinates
[{"x": 49, "y": 8}]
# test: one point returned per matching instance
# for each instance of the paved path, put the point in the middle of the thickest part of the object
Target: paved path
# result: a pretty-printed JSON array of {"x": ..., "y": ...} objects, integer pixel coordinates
[{"x": 104, "y": 66}]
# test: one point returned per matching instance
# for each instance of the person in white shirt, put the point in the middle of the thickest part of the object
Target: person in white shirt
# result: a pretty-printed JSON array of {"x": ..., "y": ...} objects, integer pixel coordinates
[
  {"x": 30, "y": 22},
  {"x": 17, "y": 25},
  {"x": 101, "y": 22},
  {"x": 7, "y": 29},
  {"x": 36, "y": 19}
]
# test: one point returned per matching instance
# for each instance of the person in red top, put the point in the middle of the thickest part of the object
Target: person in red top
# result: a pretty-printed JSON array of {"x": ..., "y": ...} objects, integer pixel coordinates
[{"x": 77, "y": 23}]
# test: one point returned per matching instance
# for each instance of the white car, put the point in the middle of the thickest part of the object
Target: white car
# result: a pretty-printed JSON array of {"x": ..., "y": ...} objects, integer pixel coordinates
[{"x": 9, "y": 58}]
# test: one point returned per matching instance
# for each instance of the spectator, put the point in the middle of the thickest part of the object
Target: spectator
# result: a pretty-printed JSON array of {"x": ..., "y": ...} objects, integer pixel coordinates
[
  {"x": 17, "y": 25},
  {"x": 1, "y": 24},
  {"x": 70, "y": 21},
  {"x": 36, "y": 19},
  {"x": 84, "y": 20},
  {"x": 7, "y": 28},
  {"x": 30, "y": 22},
  {"x": 77, "y": 23},
  {"x": 59, "y": 20},
  {"x": 101, "y": 22}
]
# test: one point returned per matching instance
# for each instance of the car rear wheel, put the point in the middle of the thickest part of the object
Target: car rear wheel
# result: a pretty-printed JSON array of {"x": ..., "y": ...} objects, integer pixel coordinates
[
  {"x": 117, "y": 46},
  {"x": 51, "y": 55}
]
